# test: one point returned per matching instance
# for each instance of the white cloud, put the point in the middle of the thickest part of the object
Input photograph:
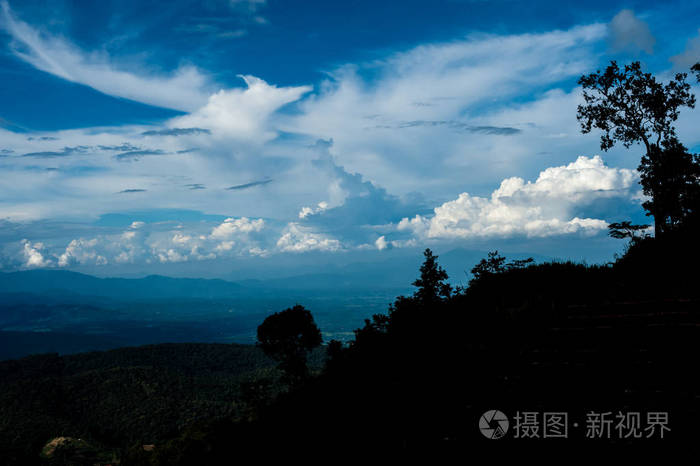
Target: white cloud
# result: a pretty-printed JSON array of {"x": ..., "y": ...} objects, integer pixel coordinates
[
  {"x": 381, "y": 243},
  {"x": 234, "y": 226},
  {"x": 81, "y": 251},
  {"x": 242, "y": 113},
  {"x": 181, "y": 90},
  {"x": 33, "y": 257},
  {"x": 306, "y": 211},
  {"x": 628, "y": 32},
  {"x": 297, "y": 238},
  {"x": 540, "y": 209},
  {"x": 436, "y": 103}
]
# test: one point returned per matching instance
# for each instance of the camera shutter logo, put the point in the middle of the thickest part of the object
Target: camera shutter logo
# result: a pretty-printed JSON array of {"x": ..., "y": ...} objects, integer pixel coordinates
[{"x": 493, "y": 424}]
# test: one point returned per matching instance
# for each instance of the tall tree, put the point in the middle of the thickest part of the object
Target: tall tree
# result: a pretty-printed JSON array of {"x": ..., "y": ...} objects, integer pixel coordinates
[
  {"x": 670, "y": 176},
  {"x": 432, "y": 284},
  {"x": 287, "y": 337},
  {"x": 630, "y": 106}
]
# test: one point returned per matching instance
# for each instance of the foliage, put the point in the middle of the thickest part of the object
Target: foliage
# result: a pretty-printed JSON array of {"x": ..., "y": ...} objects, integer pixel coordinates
[
  {"x": 493, "y": 264},
  {"x": 287, "y": 337},
  {"x": 670, "y": 176},
  {"x": 625, "y": 229},
  {"x": 630, "y": 106},
  {"x": 431, "y": 284}
]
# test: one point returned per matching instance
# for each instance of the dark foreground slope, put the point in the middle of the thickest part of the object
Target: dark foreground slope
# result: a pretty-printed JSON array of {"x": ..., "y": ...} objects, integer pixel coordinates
[
  {"x": 562, "y": 338},
  {"x": 123, "y": 397}
]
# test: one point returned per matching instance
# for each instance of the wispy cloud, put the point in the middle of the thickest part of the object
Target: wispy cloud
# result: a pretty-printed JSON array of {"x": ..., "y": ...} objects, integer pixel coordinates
[
  {"x": 176, "y": 132},
  {"x": 132, "y": 190},
  {"x": 248, "y": 185},
  {"x": 66, "y": 151},
  {"x": 136, "y": 155},
  {"x": 183, "y": 89}
]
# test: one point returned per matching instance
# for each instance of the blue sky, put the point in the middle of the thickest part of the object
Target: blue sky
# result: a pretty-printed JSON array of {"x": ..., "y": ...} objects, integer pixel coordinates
[{"x": 186, "y": 136}]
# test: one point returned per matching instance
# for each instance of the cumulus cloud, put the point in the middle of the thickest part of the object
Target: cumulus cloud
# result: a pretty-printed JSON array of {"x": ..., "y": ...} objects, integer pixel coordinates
[
  {"x": 297, "y": 238},
  {"x": 628, "y": 32},
  {"x": 184, "y": 89},
  {"x": 233, "y": 226},
  {"x": 33, "y": 256},
  {"x": 142, "y": 243},
  {"x": 306, "y": 211},
  {"x": 533, "y": 209},
  {"x": 243, "y": 113},
  {"x": 81, "y": 251}
]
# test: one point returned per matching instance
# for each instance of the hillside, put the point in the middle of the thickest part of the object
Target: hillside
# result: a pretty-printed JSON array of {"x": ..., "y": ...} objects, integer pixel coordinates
[{"x": 122, "y": 397}]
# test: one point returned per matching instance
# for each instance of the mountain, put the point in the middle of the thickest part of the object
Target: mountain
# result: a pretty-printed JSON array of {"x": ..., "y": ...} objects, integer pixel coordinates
[{"x": 150, "y": 287}]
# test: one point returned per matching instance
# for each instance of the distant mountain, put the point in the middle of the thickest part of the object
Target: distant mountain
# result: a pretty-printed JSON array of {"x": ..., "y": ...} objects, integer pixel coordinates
[
  {"x": 396, "y": 272},
  {"x": 151, "y": 287}
]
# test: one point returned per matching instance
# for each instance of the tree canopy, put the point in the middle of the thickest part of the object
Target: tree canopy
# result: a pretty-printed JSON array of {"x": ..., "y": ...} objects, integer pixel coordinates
[
  {"x": 431, "y": 284},
  {"x": 287, "y": 337},
  {"x": 630, "y": 106}
]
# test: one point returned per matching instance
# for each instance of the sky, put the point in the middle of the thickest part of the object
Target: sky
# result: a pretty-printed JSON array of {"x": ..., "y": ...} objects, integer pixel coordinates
[{"x": 193, "y": 137}]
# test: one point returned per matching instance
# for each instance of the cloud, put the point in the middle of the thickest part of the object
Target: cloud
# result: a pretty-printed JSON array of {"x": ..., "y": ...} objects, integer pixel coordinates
[
  {"x": 132, "y": 190},
  {"x": 306, "y": 211},
  {"x": 136, "y": 155},
  {"x": 148, "y": 243},
  {"x": 243, "y": 113},
  {"x": 461, "y": 126},
  {"x": 297, "y": 238},
  {"x": 354, "y": 204},
  {"x": 248, "y": 185},
  {"x": 233, "y": 226},
  {"x": 33, "y": 257},
  {"x": 183, "y": 89},
  {"x": 81, "y": 251},
  {"x": 628, "y": 32},
  {"x": 124, "y": 147},
  {"x": 691, "y": 54},
  {"x": 381, "y": 243},
  {"x": 176, "y": 132},
  {"x": 458, "y": 130},
  {"x": 540, "y": 209},
  {"x": 62, "y": 153},
  {"x": 490, "y": 106}
]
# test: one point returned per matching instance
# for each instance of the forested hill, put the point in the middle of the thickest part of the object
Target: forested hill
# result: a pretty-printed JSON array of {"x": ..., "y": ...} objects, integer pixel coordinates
[{"x": 127, "y": 396}]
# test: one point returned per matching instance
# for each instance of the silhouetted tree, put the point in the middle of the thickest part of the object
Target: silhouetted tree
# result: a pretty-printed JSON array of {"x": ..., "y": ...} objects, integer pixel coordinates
[
  {"x": 494, "y": 264},
  {"x": 287, "y": 337},
  {"x": 630, "y": 107},
  {"x": 670, "y": 176},
  {"x": 625, "y": 229},
  {"x": 432, "y": 284}
]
